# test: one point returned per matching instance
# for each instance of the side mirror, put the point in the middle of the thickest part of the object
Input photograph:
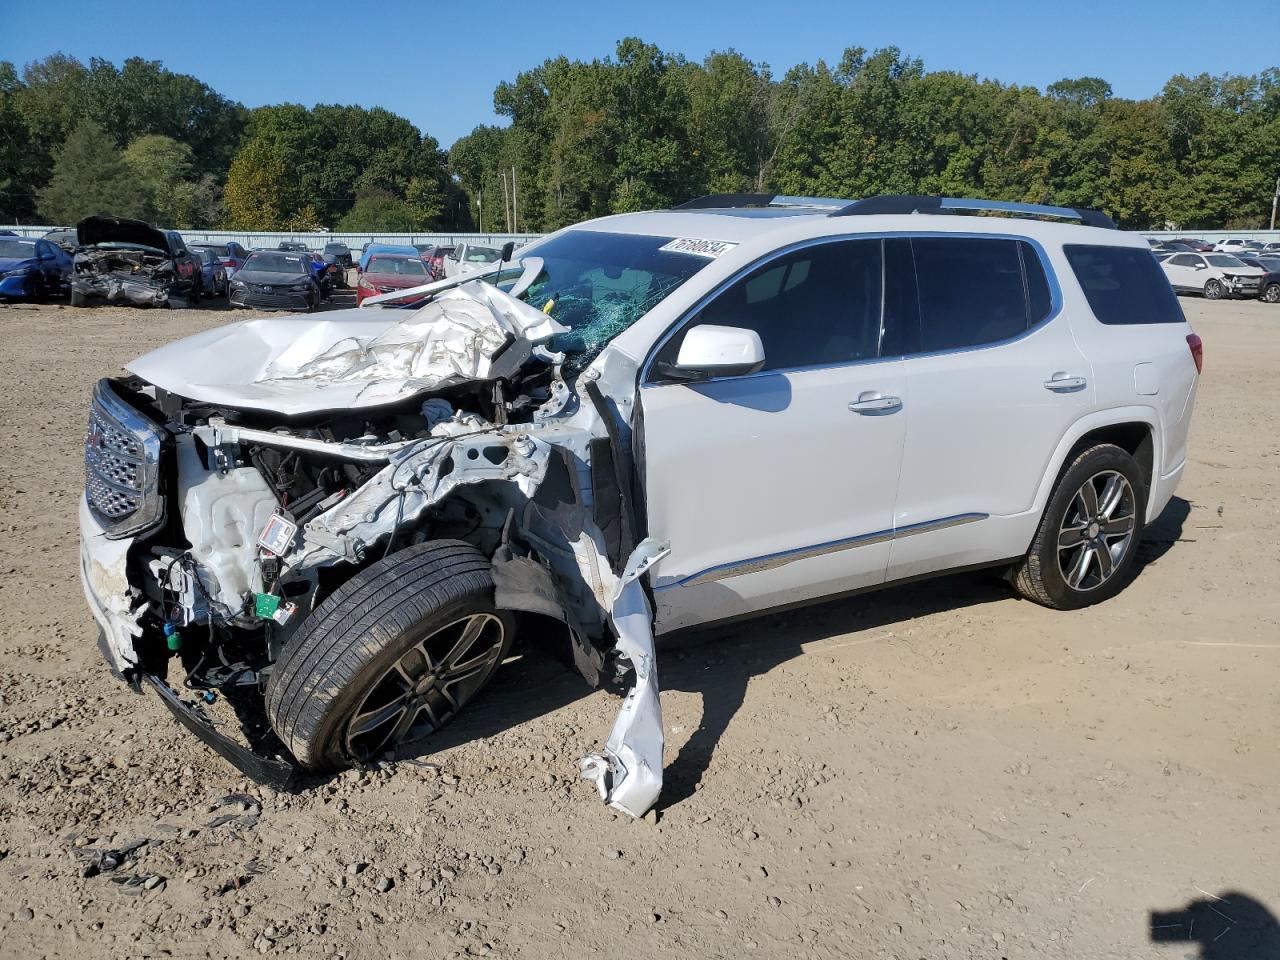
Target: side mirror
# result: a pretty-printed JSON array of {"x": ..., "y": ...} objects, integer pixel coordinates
[
  {"x": 713, "y": 351},
  {"x": 508, "y": 248},
  {"x": 1202, "y": 266}
]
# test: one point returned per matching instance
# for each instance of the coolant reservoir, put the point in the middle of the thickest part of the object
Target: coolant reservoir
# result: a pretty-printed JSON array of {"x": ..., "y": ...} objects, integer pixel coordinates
[{"x": 222, "y": 514}]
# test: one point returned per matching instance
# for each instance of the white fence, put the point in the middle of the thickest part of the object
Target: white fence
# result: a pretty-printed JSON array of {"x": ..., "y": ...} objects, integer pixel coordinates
[{"x": 317, "y": 239}]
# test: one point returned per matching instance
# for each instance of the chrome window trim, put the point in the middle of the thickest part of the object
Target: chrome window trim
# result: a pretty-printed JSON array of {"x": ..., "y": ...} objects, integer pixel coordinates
[
  {"x": 1055, "y": 304},
  {"x": 771, "y": 561}
]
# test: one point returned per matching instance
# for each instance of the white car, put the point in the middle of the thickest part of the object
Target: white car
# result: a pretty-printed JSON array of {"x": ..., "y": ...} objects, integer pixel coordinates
[
  {"x": 644, "y": 423},
  {"x": 1233, "y": 245},
  {"x": 1214, "y": 275},
  {"x": 469, "y": 258}
]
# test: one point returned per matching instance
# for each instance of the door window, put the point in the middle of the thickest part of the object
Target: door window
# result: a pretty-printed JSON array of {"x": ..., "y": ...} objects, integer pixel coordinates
[
  {"x": 816, "y": 306},
  {"x": 972, "y": 291}
]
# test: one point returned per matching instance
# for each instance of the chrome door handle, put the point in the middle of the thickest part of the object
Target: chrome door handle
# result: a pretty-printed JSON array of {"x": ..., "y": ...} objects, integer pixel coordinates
[
  {"x": 876, "y": 405},
  {"x": 1064, "y": 384}
]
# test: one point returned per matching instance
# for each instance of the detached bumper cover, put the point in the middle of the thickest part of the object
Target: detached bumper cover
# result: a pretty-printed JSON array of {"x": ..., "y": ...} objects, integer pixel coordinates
[{"x": 266, "y": 770}]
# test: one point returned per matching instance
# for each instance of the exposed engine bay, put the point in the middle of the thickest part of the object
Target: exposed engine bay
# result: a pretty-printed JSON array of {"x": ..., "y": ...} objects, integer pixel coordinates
[
  {"x": 137, "y": 276},
  {"x": 214, "y": 530}
]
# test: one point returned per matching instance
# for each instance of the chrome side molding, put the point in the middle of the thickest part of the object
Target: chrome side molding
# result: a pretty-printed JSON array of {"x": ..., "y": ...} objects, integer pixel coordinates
[{"x": 771, "y": 561}]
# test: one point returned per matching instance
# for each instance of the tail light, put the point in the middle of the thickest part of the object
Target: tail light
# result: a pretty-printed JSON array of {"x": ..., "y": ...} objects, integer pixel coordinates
[{"x": 1196, "y": 346}]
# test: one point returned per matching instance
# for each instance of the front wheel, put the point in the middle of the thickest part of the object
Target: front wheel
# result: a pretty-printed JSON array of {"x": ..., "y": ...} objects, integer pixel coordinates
[
  {"x": 1084, "y": 549},
  {"x": 1272, "y": 293},
  {"x": 390, "y": 657},
  {"x": 1213, "y": 290}
]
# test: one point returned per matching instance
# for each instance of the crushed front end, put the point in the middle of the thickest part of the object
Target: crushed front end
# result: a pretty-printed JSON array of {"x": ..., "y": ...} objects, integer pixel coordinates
[{"x": 210, "y": 532}]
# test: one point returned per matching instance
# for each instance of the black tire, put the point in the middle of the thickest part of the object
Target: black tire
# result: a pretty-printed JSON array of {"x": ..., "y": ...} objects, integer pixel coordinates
[
  {"x": 345, "y": 656},
  {"x": 1272, "y": 293},
  {"x": 1040, "y": 575},
  {"x": 78, "y": 299},
  {"x": 1213, "y": 290}
]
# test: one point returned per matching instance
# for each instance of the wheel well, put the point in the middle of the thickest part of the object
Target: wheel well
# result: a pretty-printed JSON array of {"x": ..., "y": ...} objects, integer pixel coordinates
[{"x": 1134, "y": 438}]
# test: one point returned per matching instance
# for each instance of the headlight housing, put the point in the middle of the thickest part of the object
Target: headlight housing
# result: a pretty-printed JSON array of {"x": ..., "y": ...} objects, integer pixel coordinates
[{"x": 122, "y": 466}]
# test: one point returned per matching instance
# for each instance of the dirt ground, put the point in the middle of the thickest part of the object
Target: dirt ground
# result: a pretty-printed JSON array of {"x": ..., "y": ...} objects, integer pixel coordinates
[{"x": 935, "y": 771}]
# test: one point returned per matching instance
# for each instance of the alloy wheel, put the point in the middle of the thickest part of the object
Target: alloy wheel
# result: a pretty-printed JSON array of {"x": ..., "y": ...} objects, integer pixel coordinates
[
  {"x": 426, "y": 686},
  {"x": 1096, "y": 530},
  {"x": 1272, "y": 293}
]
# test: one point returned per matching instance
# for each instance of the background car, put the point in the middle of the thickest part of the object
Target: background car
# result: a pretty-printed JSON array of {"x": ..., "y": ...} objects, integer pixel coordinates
[
  {"x": 119, "y": 260},
  {"x": 435, "y": 260},
  {"x": 1196, "y": 244},
  {"x": 371, "y": 248},
  {"x": 338, "y": 254},
  {"x": 65, "y": 237},
  {"x": 33, "y": 268},
  {"x": 213, "y": 276},
  {"x": 1215, "y": 275},
  {"x": 1269, "y": 289},
  {"x": 276, "y": 280},
  {"x": 469, "y": 258},
  {"x": 387, "y": 272},
  {"x": 1230, "y": 245},
  {"x": 230, "y": 254}
]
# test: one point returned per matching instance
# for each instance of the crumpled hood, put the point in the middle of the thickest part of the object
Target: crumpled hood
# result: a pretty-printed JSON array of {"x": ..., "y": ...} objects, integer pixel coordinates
[
  {"x": 351, "y": 359},
  {"x": 93, "y": 230}
]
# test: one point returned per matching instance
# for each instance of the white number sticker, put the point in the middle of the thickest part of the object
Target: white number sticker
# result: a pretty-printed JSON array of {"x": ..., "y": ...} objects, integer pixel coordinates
[{"x": 699, "y": 248}]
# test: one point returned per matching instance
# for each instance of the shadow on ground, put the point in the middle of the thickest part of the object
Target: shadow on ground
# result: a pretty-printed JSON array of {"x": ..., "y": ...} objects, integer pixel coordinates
[
  {"x": 718, "y": 663},
  {"x": 1233, "y": 926}
]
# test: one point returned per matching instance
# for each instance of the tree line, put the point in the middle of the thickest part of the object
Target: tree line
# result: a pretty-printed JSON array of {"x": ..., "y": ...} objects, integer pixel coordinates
[{"x": 640, "y": 129}]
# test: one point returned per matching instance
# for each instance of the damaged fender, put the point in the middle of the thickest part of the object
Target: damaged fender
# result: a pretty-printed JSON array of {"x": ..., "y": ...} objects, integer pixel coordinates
[{"x": 628, "y": 773}]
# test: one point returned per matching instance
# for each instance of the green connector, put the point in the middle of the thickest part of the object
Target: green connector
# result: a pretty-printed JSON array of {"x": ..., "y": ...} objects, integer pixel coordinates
[{"x": 265, "y": 605}]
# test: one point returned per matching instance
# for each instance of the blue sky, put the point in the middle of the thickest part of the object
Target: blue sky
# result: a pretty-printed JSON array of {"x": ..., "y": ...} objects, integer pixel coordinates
[{"x": 438, "y": 68}]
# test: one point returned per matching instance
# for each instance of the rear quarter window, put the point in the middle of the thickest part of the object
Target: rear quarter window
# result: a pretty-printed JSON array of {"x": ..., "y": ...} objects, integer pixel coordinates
[{"x": 1124, "y": 285}]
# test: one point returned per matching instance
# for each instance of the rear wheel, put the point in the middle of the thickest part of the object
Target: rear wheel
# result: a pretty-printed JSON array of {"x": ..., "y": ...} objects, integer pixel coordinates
[
  {"x": 1084, "y": 549},
  {"x": 1213, "y": 290},
  {"x": 390, "y": 657}
]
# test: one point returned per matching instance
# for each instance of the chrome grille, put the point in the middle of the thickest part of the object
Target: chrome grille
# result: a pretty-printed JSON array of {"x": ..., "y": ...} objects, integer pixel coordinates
[{"x": 121, "y": 466}]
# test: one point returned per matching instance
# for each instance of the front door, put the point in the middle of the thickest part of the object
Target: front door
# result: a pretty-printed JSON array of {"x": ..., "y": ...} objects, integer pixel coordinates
[{"x": 778, "y": 487}]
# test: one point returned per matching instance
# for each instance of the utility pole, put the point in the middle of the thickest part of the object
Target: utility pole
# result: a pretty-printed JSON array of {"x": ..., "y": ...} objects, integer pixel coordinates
[
  {"x": 1274, "y": 198},
  {"x": 506, "y": 212},
  {"x": 515, "y": 216}
]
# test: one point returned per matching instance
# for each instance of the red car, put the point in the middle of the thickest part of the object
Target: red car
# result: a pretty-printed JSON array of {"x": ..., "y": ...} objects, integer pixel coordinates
[{"x": 387, "y": 272}]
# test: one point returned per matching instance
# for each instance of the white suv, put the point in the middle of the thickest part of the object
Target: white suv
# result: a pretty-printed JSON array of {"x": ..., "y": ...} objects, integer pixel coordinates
[
  {"x": 645, "y": 423},
  {"x": 1214, "y": 275}
]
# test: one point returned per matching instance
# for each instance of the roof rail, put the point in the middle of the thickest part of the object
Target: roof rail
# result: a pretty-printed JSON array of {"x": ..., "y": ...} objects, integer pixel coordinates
[
  {"x": 939, "y": 205},
  {"x": 723, "y": 201}
]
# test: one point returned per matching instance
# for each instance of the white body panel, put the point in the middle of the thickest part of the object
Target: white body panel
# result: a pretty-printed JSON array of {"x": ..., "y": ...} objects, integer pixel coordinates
[
  {"x": 741, "y": 470},
  {"x": 982, "y": 428}
]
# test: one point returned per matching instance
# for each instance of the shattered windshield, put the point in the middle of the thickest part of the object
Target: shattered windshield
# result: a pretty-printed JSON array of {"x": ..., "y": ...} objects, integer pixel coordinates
[
  {"x": 12, "y": 249},
  {"x": 598, "y": 284}
]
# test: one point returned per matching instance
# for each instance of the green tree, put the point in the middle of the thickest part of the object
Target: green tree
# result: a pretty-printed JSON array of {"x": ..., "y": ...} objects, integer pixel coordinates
[
  {"x": 378, "y": 210},
  {"x": 163, "y": 166},
  {"x": 90, "y": 177},
  {"x": 259, "y": 194}
]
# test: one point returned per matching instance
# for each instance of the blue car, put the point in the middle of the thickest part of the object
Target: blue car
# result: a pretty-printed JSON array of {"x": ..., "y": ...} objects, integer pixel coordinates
[
  {"x": 32, "y": 268},
  {"x": 373, "y": 248}
]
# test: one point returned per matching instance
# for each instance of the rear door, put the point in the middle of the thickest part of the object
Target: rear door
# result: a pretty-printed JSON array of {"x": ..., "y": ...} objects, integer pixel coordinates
[
  {"x": 1181, "y": 270},
  {"x": 777, "y": 487},
  {"x": 995, "y": 380}
]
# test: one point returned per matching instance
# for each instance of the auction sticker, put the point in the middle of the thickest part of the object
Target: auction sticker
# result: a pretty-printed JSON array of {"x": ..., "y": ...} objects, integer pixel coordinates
[{"x": 699, "y": 248}]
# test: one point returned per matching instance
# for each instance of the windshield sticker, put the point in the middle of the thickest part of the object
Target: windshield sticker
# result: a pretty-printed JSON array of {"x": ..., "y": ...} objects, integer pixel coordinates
[{"x": 699, "y": 248}]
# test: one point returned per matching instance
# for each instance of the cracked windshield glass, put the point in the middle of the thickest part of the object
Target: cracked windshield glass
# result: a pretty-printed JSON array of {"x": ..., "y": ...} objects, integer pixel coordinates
[{"x": 598, "y": 284}]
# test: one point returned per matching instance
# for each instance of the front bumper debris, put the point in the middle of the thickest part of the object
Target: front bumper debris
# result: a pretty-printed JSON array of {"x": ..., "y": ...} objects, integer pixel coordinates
[
  {"x": 117, "y": 289},
  {"x": 104, "y": 576},
  {"x": 269, "y": 771},
  {"x": 628, "y": 773}
]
